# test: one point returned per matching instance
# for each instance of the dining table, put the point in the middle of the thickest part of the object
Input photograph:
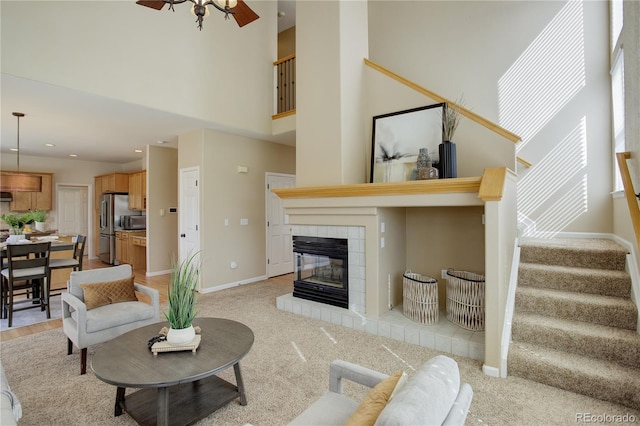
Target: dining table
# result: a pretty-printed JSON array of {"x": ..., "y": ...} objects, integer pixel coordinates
[{"x": 56, "y": 245}]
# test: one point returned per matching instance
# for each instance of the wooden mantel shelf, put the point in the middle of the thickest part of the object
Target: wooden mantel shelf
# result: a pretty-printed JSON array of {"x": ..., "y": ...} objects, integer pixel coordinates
[
  {"x": 492, "y": 182},
  {"x": 414, "y": 187}
]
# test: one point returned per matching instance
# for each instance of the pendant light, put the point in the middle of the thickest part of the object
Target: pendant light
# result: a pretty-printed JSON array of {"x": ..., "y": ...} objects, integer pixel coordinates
[{"x": 16, "y": 181}]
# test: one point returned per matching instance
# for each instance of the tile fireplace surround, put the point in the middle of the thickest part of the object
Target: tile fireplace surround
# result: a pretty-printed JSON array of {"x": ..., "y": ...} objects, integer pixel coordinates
[{"x": 444, "y": 336}]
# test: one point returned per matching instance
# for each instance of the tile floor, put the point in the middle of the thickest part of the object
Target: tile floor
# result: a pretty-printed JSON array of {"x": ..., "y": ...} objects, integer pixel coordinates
[{"x": 444, "y": 336}]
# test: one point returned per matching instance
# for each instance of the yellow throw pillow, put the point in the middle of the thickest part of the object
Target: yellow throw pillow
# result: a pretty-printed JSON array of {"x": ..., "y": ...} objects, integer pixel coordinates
[
  {"x": 105, "y": 293},
  {"x": 369, "y": 409}
]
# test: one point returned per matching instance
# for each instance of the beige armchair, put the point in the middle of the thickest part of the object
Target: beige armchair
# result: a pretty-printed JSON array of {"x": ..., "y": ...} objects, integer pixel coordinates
[{"x": 85, "y": 327}]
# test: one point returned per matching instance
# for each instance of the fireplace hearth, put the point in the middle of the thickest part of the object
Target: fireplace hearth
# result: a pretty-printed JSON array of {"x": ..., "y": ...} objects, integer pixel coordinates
[{"x": 322, "y": 273}]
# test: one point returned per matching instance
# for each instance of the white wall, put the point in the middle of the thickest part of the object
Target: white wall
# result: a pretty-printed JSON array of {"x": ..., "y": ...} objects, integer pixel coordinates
[
  {"x": 483, "y": 51},
  {"x": 162, "y": 193},
  {"x": 227, "y": 194},
  {"x": 158, "y": 59}
]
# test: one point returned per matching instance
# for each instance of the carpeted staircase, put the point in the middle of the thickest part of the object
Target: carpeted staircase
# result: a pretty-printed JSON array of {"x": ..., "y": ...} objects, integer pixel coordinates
[{"x": 574, "y": 324}]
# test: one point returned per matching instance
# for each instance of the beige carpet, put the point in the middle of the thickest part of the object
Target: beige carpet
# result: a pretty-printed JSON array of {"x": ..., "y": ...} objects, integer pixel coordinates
[
  {"x": 574, "y": 324},
  {"x": 286, "y": 369}
]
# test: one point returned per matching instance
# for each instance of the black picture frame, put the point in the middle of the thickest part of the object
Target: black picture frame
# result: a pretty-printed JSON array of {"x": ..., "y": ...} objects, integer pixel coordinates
[{"x": 397, "y": 138}]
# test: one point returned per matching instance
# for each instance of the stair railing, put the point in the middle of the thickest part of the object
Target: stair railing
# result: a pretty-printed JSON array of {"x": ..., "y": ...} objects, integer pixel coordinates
[
  {"x": 285, "y": 84},
  {"x": 451, "y": 104},
  {"x": 630, "y": 195}
]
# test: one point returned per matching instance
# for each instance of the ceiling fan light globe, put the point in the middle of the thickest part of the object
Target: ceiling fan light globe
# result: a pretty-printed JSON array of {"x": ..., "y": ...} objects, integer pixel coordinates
[
  {"x": 224, "y": 3},
  {"x": 196, "y": 9}
]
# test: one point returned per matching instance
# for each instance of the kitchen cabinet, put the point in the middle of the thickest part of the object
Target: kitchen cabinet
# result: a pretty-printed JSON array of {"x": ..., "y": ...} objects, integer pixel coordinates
[
  {"x": 138, "y": 190},
  {"x": 43, "y": 200},
  {"x": 122, "y": 247},
  {"x": 131, "y": 248},
  {"x": 114, "y": 182}
]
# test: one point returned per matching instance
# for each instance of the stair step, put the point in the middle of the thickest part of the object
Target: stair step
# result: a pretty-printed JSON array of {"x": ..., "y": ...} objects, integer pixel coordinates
[
  {"x": 584, "y": 375},
  {"x": 597, "y": 341},
  {"x": 604, "y": 310},
  {"x": 593, "y": 253},
  {"x": 585, "y": 280}
]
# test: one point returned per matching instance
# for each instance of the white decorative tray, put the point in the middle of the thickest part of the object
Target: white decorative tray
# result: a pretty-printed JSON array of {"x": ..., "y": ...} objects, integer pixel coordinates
[{"x": 168, "y": 347}]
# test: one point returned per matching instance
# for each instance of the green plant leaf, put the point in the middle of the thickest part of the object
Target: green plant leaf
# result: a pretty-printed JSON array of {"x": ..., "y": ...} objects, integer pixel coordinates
[{"x": 182, "y": 292}]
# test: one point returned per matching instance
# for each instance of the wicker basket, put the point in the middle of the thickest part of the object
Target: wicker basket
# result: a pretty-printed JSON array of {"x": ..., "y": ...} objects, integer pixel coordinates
[
  {"x": 465, "y": 299},
  {"x": 420, "y": 298}
]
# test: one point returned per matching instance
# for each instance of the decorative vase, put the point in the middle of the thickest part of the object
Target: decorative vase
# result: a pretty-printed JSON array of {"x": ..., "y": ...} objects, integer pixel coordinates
[
  {"x": 41, "y": 226},
  {"x": 424, "y": 166},
  {"x": 181, "y": 336},
  {"x": 448, "y": 165}
]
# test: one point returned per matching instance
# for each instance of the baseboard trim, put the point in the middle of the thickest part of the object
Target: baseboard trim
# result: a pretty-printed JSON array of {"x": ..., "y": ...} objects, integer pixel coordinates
[
  {"x": 232, "y": 284},
  {"x": 156, "y": 273},
  {"x": 490, "y": 371}
]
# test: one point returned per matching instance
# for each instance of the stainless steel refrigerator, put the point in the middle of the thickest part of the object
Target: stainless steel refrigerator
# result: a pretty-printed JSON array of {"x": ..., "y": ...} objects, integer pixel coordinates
[{"x": 112, "y": 206}]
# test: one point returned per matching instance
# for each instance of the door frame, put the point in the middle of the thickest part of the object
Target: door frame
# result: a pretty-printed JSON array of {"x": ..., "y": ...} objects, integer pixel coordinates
[
  {"x": 90, "y": 197},
  {"x": 266, "y": 215},
  {"x": 181, "y": 172}
]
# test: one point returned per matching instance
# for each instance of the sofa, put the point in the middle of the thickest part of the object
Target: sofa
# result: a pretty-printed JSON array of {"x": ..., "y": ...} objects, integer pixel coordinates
[
  {"x": 117, "y": 309},
  {"x": 431, "y": 396},
  {"x": 10, "y": 408}
]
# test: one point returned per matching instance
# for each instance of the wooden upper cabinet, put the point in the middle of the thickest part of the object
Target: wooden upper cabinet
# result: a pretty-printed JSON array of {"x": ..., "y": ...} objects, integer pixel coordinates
[
  {"x": 114, "y": 182},
  {"x": 43, "y": 200},
  {"x": 97, "y": 192},
  {"x": 138, "y": 190}
]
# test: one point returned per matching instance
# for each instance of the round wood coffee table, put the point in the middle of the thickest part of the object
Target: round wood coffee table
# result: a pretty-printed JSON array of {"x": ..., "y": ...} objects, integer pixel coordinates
[{"x": 176, "y": 388}]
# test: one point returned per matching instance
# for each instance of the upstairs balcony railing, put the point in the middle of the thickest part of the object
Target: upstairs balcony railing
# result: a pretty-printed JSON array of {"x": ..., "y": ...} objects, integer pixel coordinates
[{"x": 285, "y": 83}]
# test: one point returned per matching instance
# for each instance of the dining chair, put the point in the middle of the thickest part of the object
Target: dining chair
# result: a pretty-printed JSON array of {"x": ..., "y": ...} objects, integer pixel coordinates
[
  {"x": 74, "y": 262},
  {"x": 27, "y": 273}
]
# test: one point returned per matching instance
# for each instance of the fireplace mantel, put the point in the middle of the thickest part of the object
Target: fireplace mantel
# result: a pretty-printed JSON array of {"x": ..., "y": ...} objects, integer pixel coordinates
[
  {"x": 382, "y": 208},
  {"x": 488, "y": 187}
]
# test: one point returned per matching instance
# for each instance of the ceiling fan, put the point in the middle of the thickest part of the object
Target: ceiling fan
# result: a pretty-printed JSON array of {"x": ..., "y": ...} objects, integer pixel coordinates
[{"x": 238, "y": 8}]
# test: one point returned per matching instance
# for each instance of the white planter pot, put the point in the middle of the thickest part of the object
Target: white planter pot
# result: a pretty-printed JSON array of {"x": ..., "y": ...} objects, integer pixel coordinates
[
  {"x": 12, "y": 239},
  {"x": 181, "y": 336},
  {"x": 40, "y": 226}
]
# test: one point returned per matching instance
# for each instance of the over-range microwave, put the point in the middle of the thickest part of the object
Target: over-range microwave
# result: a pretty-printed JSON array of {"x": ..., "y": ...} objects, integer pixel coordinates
[{"x": 133, "y": 222}]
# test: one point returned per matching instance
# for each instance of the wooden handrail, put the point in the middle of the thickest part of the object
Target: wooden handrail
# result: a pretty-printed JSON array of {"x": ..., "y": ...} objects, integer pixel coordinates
[
  {"x": 632, "y": 201},
  {"x": 283, "y": 114},
  {"x": 285, "y": 59},
  {"x": 464, "y": 111}
]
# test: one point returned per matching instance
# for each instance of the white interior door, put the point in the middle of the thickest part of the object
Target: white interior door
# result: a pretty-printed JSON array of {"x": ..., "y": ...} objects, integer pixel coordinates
[
  {"x": 279, "y": 243},
  {"x": 73, "y": 210},
  {"x": 189, "y": 212}
]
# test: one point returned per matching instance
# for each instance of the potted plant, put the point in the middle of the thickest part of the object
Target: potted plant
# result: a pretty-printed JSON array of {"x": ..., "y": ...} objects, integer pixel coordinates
[
  {"x": 447, "y": 149},
  {"x": 450, "y": 121},
  {"x": 182, "y": 300},
  {"x": 16, "y": 222},
  {"x": 39, "y": 216}
]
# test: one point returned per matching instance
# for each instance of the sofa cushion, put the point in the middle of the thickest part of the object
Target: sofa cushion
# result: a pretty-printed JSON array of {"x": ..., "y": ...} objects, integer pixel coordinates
[
  {"x": 96, "y": 276},
  {"x": 331, "y": 409},
  {"x": 115, "y": 315},
  {"x": 427, "y": 396},
  {"x": 373, "y": 403},
  {"x": 10, "y": 407},
  {"x": 104, "y": 293}
]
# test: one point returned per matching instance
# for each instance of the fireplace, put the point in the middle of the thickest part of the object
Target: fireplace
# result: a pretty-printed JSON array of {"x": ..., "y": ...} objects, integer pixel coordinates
[{"x": 322, "y": 273}]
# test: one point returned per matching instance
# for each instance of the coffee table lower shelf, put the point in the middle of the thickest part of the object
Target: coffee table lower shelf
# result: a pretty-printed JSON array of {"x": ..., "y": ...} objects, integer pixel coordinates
[{"x": 187, "y": 402}]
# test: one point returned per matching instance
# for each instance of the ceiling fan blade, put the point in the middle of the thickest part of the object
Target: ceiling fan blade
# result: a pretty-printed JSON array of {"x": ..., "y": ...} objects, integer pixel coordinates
[
  {"x": 243, "y": 14},
  {"x": 153, "y": 4}
]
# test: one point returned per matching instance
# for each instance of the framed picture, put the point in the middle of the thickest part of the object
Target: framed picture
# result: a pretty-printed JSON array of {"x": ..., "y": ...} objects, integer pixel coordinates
[{"x": 397, "y": 139}]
